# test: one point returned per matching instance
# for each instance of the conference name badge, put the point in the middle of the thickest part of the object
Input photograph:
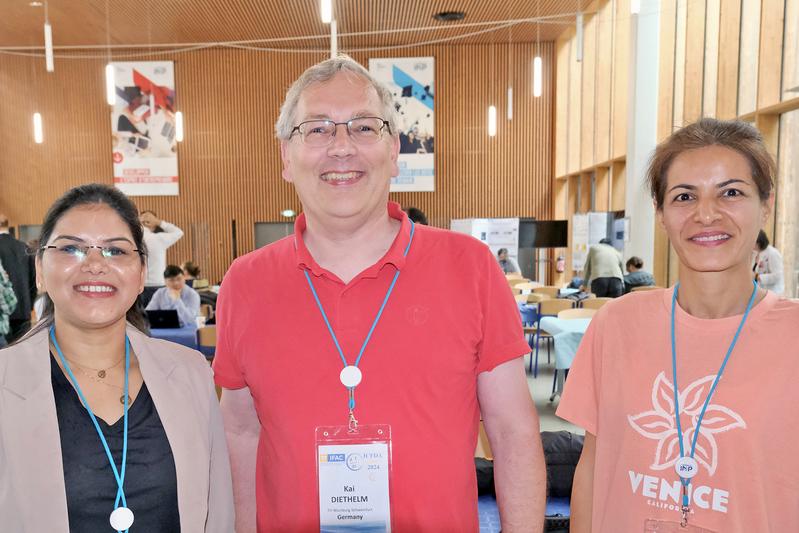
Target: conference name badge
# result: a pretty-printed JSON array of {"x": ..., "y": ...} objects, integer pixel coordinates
[{"x": 354, "y": 471}]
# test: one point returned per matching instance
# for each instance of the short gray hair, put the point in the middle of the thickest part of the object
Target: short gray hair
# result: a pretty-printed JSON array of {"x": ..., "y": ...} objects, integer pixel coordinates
[{"x": 322, "y": 72}]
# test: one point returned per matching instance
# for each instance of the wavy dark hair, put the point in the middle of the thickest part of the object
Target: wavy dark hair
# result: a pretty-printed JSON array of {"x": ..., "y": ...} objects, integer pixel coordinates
[{"x": 93, "y": 194}]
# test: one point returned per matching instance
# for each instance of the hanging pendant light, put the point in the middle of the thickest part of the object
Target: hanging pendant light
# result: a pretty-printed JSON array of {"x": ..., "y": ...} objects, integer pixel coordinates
[
  {"x": 38, "y": 133},
  {"x": 179, "y": 126},
  {"x": 48, "y": 47},
  {"x": 537, "y": 75},
  {"x": 326, "y": 9},
  {"x": 492, "y": 121},
  {"x": 537, "y": 64}
]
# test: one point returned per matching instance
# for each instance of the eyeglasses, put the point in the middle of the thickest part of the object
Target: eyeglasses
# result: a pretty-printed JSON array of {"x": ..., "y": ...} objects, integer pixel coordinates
[
  {"x": 121, "y": 253},
  {"x": 362, "y": 130}
]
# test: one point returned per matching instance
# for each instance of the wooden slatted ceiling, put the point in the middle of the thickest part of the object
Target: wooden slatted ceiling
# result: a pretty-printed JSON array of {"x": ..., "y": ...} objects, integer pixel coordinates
[
  {"x": 171, "y": 21},
  {"x": 229, "y": 163}
]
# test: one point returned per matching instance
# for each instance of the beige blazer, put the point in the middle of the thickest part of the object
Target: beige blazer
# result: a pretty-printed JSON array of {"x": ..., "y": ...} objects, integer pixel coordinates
[{"x": 32, "y": 493}]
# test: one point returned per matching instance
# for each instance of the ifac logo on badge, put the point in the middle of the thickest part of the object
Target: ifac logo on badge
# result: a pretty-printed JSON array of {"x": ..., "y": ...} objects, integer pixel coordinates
[{"x": 354, "y": 461}]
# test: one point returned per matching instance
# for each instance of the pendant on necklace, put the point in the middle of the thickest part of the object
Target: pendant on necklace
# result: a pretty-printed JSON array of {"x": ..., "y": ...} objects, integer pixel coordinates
[
  {"x": 122, "y": 399},
  {"x": 101, "y": 374}
]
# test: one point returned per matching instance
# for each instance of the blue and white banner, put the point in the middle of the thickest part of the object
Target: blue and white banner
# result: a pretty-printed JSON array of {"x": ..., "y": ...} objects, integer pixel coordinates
[{"x": 410, "y": 80}]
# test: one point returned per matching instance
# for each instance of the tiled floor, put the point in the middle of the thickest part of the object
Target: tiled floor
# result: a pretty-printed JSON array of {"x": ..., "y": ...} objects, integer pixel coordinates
[{"x": 541, "y": 389}]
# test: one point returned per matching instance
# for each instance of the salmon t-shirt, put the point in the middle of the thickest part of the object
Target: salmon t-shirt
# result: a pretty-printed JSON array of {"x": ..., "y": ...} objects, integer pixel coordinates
[{"x": 621, "y": 389}]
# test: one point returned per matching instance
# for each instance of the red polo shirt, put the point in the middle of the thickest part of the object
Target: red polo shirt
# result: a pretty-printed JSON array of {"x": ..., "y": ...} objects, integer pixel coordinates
[{"x": 450, "y": 317}]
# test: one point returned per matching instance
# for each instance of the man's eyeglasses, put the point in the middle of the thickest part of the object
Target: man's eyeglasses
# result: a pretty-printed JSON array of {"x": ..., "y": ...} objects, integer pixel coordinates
[
  {"x": 362, "y": 130},
  {"x": 119, "y": 253}
]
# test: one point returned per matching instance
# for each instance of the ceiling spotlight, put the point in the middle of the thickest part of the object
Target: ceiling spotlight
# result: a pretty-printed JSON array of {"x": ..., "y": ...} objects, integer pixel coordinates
[
  {"x": 288, "y": 213},
  {"x": 35, "y": 4},
  {"x": 449, "y": 16}
]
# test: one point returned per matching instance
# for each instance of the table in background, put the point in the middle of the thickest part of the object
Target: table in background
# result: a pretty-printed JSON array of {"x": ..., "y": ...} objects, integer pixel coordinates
[
  {"x": 187, "y": 335},
  {"x": 567, "y": 335}
]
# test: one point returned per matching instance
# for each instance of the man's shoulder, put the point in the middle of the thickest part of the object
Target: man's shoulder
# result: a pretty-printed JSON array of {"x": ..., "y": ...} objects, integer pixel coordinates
[
  {"x": 265, "y": 259},
  {"x": 160, "y": 291}
]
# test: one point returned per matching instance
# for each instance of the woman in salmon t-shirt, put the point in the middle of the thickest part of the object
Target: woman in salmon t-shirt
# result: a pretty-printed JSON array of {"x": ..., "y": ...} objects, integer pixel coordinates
[{"x": 688, "y": 394}]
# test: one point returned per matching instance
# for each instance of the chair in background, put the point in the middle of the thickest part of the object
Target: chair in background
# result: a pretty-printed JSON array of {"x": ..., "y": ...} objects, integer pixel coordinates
[
  {"x": 534, "y": 298},
  {"x": 550, "y": 291},
  {"x": 521, "y": 298},
  {"x": 207, "y": 311},
  {"x": 569, "y": 314},
  {"x": 517, "y": 281},
  {"x": 594, "y": 303},
  {"x": 199, "y": 284},
  {"x": 513, "y": 275},
  {"x": 549, "y": 307},
  {"x": 206, "y": 339}
]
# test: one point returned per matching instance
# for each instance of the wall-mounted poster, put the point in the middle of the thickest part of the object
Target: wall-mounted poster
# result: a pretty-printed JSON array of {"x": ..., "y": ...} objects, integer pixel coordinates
[
  {"x": 143, "y": 128},
  {"x": 580, "y": 240},
  {"x": 410, "y": 80}
]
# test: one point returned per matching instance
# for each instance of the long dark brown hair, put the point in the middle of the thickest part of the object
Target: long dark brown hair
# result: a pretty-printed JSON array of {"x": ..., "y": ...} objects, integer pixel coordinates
[{"x": 93, "y": 194}]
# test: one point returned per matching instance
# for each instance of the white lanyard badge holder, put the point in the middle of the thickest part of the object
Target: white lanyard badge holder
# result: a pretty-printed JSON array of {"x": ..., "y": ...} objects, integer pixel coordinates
[
  {"x": 686, "y": 466},
  {"x": 353, "y": 462}
]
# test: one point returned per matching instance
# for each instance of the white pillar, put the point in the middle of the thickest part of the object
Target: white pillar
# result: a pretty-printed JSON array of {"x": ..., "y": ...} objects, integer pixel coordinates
[{"x": 642, "y": 116}]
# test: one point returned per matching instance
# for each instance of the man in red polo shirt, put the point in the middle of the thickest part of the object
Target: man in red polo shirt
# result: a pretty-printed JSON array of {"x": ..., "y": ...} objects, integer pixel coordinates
[{"x": 394, "y": 336}]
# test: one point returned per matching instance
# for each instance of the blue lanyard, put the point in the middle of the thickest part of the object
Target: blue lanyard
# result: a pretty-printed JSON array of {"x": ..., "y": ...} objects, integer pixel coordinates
[
  {"x": 374, "y": 323},
  {"x": 686, "y": 481},
  {"x": 120, "y": 477}
]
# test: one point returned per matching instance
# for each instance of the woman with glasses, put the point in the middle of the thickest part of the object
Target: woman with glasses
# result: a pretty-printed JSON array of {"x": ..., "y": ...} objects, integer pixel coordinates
[
  {"x": 101, "y": 426},
  {"x": 688, "y": 395}
]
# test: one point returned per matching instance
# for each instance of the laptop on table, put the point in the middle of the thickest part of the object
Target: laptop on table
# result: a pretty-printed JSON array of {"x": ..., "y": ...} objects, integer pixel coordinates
[{"x": 166, "y": 319}]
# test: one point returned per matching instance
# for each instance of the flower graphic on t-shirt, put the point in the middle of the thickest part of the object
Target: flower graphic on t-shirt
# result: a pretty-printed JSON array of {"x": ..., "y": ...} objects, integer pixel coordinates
[{"x": 659, "y": 424}]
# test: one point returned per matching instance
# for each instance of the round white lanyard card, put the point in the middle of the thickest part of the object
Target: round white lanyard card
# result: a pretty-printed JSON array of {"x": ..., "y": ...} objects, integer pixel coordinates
[
  {"x": 121, "y": 518},
  {"x": 350, "y": 376},
  {"x": 686, "y": 467}
]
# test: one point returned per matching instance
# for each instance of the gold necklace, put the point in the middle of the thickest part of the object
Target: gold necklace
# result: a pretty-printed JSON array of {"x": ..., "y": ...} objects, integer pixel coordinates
[
  {"x": 98, "y": 378},
  {"x": 101, "y": 372}
]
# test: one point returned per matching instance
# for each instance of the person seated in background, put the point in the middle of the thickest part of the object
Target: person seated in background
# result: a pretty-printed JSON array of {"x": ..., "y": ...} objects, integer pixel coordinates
[
  {"x": 636, "y": 277},
  {"x": 768, "y": 269},
  {"x": 190, "y": 272},
  {"x": 506, "y": 263},
  {"x": 176, "y": 295}
]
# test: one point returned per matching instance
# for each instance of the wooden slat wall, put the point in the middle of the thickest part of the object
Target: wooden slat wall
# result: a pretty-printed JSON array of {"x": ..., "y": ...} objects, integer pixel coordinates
[
  {"x": 229, "y": 163},
  {"x": 724, "y": 58}
]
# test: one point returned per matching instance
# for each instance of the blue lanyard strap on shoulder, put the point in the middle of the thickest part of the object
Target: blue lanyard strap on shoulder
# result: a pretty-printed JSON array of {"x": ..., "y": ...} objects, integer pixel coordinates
[
  {"x": 374, "y": 323},
  {"x": 119, "y": 475},
  {"x": 749, "y": 305}
]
